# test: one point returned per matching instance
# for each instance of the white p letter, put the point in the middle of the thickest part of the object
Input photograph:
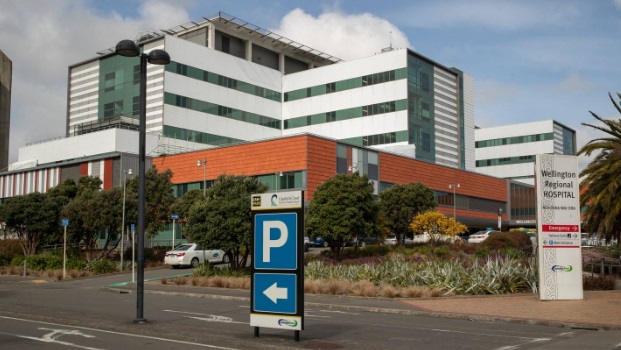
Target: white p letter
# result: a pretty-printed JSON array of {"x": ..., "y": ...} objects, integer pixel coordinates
[{"x": 268, "y": 243}]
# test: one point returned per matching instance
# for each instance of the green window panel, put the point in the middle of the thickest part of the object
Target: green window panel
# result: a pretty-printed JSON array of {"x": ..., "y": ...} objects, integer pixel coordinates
[
  {"x": 344, "y": 114},
  {"x": 199, "y": 137},
  {"x": 514, "y": 140},
  {"x": 216, "y": 79},
  {"x": 223, "y": 111},
  {"x": 505, "y": 161},
  {"x": 346, "y": 84}
]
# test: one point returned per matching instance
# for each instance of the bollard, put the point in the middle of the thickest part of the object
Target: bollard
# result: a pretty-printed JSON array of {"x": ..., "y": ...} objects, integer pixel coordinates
[{"x": 24, "y": 267}]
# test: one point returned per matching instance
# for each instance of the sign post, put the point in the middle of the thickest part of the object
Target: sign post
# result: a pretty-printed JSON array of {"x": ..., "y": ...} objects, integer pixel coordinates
[
  {"x": 277, "y": 268},
  {"x": 173, "y": 217},
  {"x": 65, "y": 223},
  {"x": 558, "y": 224},
  {"x": 133, "y": 252}
]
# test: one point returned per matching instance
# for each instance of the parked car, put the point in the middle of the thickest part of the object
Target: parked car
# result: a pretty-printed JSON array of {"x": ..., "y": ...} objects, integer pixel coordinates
[
  {"x": 192, "y": 254},
  {"x": 390, "y": 240},
  {"x": 307, "y": 243},
  {"x": 321, "y": 242},
  {"x": 365, "y": 241},
  {"x": 481, "y": 236}
]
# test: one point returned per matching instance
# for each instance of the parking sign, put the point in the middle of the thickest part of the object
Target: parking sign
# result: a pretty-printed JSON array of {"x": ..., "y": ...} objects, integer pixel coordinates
[{"x": 277, "y": 279}]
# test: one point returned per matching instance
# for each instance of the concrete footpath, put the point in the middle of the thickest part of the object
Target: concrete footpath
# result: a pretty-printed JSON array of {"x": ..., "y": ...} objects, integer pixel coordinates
[{"x": 598, "y": 309}]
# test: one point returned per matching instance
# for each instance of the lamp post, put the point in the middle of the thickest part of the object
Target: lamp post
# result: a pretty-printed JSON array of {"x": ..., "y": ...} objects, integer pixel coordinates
[
  {"x": 125, "y": 172},
  {"x": 499, "y": 219},
  {"x": 129, "y": 48},
  {"x": 204, "y": 164},
  {"x": 453, "y": 186}
]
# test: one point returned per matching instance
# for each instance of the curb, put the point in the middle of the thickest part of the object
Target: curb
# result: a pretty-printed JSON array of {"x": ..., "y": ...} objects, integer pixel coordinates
[{"x": 510, "y": 320}]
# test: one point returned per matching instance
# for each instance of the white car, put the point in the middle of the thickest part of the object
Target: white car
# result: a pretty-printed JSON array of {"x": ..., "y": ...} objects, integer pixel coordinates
[
  {"x": 192, "y": 254},
  {"x": 481, "y": 236}
]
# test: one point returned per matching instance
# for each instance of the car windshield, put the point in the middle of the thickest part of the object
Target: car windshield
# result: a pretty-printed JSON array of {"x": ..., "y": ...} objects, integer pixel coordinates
[{"x": 184, "y": 247}]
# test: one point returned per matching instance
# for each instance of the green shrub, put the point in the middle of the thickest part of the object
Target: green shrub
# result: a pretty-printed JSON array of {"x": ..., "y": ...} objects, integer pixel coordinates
[
  {"x": 102, "y": 266},
  {"x": 441, "y": 251},
  {"x": 370, "y": 250},
  {"x": 209, "y": 270},
  {"x": 9, "y": 248},
  {"x": 598, "y": 282},
  {"x": 505, "y": 240}
]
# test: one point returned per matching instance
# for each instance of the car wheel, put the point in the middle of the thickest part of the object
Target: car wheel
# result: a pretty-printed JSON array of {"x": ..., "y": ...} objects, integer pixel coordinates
[
  {"x": 325, "y": 244},
  {"x": 194, "y": 263},
  {"x": 225, "y": 259},
  {"x": 174, "y": 266}
]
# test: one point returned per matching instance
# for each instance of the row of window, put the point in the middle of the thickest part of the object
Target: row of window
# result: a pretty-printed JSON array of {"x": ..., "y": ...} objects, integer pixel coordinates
[
  {"x": 505, "y": 161},
  {"x": 197, "y": 136},
  {"x": 514, "y": 140},
  {"x": 379, "y": 139},
  {"x": 347, "y": 84},
  {"x": 279, "y": 181},
  {"x": 345, "y": 114},
  {"x": 223, "y": 111},
  {"x": 221, "y": 80}
]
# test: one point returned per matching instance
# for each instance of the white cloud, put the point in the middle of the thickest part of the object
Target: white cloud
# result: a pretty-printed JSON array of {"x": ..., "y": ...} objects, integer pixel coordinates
[
  {"x": 42, "y": 38},
  {"x": 617, "y": 3},
  {"x": 342, "y": 35}
]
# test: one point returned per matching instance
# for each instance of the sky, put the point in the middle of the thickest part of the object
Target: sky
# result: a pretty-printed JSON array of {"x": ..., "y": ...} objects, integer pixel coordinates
[{"x": 531, "y": 60}]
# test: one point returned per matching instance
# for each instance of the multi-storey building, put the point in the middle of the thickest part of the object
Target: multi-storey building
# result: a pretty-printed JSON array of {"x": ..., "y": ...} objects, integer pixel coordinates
[
  {"x": 509, "y": 151},
  {"x": 231, "y": 82},
  {"x": 6, "y": 72}
]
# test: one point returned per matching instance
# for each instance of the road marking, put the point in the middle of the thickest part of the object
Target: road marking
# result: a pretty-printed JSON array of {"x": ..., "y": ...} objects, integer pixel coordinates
[
  {"x": 207, "y": 317},
  {"x": 119, "y": 333},
  {"x": 340, "y": 312}
]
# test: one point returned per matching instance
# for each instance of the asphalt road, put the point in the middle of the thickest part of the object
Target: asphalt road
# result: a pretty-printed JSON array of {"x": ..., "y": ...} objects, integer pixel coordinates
[{"x": 78, "y": 314}]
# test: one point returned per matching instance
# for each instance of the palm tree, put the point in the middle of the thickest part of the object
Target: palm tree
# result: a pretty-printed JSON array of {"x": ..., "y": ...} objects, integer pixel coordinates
[{"x": 601, "y": 184}]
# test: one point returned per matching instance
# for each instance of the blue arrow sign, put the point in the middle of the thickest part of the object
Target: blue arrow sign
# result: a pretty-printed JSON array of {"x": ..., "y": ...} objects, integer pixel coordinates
[
  {"x": 275, "y": 293},
  {"x": 65, "y": 222},
  {"x": 174, "y": 216}
]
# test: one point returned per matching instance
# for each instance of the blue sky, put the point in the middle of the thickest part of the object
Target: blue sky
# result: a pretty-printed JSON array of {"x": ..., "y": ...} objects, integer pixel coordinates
[{"x": 531, "y": 60}]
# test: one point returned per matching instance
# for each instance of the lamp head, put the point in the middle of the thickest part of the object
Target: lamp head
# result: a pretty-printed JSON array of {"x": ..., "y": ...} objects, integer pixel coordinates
[
  {"x": 127, "y": 48},
  {"x": 159, "y": 57},
  {"x": 129, "y": 172}
]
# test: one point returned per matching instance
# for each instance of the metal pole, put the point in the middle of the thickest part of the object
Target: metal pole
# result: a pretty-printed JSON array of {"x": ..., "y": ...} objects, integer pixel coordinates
[
  {"x": 141, "y": 189},
  {"x": 454, "y": 204},
  {"x": 65, "y": 253},
  {"x": 204, "y": 176},
  {"x": 173, "y": 238},
  {"x": 133, "y": 258},
  {"x": 123, "y": 222}
]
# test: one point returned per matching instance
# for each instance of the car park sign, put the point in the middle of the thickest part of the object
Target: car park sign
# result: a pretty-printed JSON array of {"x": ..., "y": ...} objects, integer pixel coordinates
[{"x": 277, "y": 269}]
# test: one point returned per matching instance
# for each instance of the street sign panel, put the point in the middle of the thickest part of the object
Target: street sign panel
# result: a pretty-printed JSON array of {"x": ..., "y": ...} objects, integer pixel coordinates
[
  {"x": 277, "y": 269},
  {"x": 275, "y": 292},
  {"x": 276, "y": 241},
  {"x": 174, "y": 216},
  {"x": 65, "y": 222}
]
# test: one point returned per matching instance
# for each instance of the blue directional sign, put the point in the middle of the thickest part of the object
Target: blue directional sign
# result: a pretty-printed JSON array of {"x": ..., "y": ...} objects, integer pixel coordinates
[
  {"x": 65, "y": 222},
  {"x": 174, "y": 216},
  {"x": 133, "y": 227},
  {"x": 275, "y": 293},
  {"x": 276, "y": 241}
]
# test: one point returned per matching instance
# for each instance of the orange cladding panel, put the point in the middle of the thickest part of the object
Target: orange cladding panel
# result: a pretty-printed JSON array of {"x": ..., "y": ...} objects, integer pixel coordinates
[
  {"x": 321, "y": 163},
  {"x": 287, "y": 154},
  {"x": 401, "y": 170}
]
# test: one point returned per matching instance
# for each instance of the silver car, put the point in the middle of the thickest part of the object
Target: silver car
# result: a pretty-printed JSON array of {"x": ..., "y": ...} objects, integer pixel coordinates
[{"x": 192, "y": 254}]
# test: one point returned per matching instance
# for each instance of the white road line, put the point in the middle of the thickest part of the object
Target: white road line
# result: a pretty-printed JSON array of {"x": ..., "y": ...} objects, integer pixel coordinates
[{"x": 126, "y": 334}]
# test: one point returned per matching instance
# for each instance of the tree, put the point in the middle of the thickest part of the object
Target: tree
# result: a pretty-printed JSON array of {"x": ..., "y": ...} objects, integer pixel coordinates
[
  {"x": 601, "y": 179},
  {"x": 67, "y": 188},
  {"x": 183, "y": 205},
  {"x": 438, "y": 226},
  {"x": 158, "y": 200},
  {"x": 94, "y": 214},
  {"x": 399, "y": 204},
  {"x": 33, "y": 218},
  {"x": 223, "y": 220},
  {"x": 343, "y": 207}
]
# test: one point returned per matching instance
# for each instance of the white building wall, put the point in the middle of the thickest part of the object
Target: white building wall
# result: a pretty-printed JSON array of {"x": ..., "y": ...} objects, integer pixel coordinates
[
  {"x": 514, "y": 150},
  {"x": 83, "y": 93},
  {"x": 357, "y": 97}
]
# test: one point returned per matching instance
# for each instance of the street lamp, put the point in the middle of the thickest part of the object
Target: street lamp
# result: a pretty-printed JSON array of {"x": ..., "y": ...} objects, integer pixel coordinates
[
  {"x": 453, "y": 186},
  {"x": 204, "y": 164},
  {"x": 125, "y": 172},
  {"x": 129, "y": 48}
]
